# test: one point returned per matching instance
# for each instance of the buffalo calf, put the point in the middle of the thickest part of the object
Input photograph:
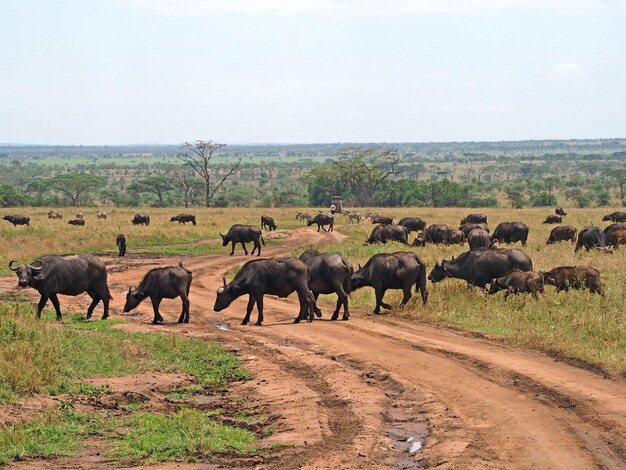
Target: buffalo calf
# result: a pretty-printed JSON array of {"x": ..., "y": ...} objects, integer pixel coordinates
[
  {"x": 120, "y": 241},
  {"x": 517, "y": 282},
  {"x": 244, "y": 234},
  {"x": 575, "y": 277}
]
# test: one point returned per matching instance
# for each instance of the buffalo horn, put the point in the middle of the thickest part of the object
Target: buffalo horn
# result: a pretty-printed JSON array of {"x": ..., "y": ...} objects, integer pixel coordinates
[
  {"x": 11, "y": 266},
  {"x": 36, "y": 268},
  {"x": 224, "y": 279}
]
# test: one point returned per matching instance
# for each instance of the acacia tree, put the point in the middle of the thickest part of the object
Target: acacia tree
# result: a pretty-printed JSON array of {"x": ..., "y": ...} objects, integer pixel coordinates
[
  {"x": 74, "y": 185},
  {"x": 198, "y": 156},
  {"x": 619, "y": 175},
  {"x": 184, "y": 178},
  {"x": 157, "y": 185}
]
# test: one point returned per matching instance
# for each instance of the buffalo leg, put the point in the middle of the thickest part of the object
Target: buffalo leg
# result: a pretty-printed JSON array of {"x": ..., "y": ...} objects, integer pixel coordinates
[
  {"x": 316, "y": 309},
  {"x": 337, "y": 308},
  {"x": 42, "y": 303},
  {"x": 259, "y": 307},
  {"x": 257, "y": 247},
  {"x": 94, "y": 301},
  {"x": 155, "y": 306},
  {"x": 245, "y": 250},
  {"x": 251, "y": 302},
  {"x": 318, "y": 227},
  {"x": 232, "y": 252},
  {"x": 57, "y": 307},
  {"x": 184, "y": 315},
  {"x": 380, "y": 293},
  {"x": 407, "y": 295}
]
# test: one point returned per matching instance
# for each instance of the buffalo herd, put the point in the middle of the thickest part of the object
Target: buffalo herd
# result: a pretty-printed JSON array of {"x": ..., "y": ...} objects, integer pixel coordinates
[{"x": 316, "y": 273}]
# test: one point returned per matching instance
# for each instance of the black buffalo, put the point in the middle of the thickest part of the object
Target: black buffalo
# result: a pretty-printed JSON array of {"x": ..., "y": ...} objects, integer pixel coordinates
[
  {"x": 141, "y": 219},
  {"x": 17, "y": 219},
  {"x": 78, "y": 222},
  {"x": 184, "y": 218},
  {"x": 510, "y": 232},
  {"x": 615, "y": 217},
  {"x": 329, "y": 273},
  {"x": 120, "y": 241},
  {"x": 474, "y": 219},
  {"x": 381, "y": 219},
  {"x": 244, "y": 234},
  {"x": 321, "y": 220},
  {"x": 66, "y": 275},
  {"x": 413, "y": 224},
  {"x": 553, "y": 219},
  {"x": 268, "y": 223},
  {"x": 478, "y": 238},
  {"x": 613, "y": 227},
  {"x": 559, "y": 211},
  {"x": 563, "y": 233},
  {"x": 276, "y": 276},
  {"x": 457, "y": 237},
  {"x": 467, "y": 228},
  {"x": 385, "y": 271},
  {"x": 388, "y": 233},
  {"x": 517, "y": 282},
  {"x": 479, "y": 267},
  {"x": 591, "y": 237},
  {"x": 574, "y": 277},
  {"x": 438, "y": 233},
  {"x": 159, "y": 284}
]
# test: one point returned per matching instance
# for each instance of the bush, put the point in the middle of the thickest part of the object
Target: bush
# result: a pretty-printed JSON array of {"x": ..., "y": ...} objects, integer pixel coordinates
[{"x": 543, "y": 199}]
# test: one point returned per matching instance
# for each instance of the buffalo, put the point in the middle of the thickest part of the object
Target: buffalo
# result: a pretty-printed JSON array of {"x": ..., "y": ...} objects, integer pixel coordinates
[
  {"x": 381, "y": 219},
  {"x": 268, "y": 223},
  {"x": 479, "y": 267},
  {"x": 457, "y": 237},
  {"x": 387, "y": 233},
  {"x": 120, "y": 241},
  {"x": 553, "y": 219},
  {"x": 276, "y": 276},
  {"x": 184, "y": 218},
  {"x": 591, "y": 237},
  {"x": 77, "y": 222},
  {"x": 563, "y": 233},
  {"x": 615, "y": 217},
  {"x": 613, "y": 227},
  {"x": 467, "y": 228},
  {"x": 616, "y": 238},
  {"x": 559, "y": 211},
  {"x": 321, "y": 220},
  {"x": 575, "y": 277},
  {"x": 518, "y": 281},
  {"x": 141, "y": 219},
  {"x": 159, "y": 284},
  {"x": 67, "y": 275},
  {"x": 329, "y": 273},
  {"x": 101, "y": 215},
  {"x": 438, "y": 233},
  {"x": 510, "y": 232},
  {"x": 413, "y": 224},
  {"x": 17, "y": 219},
  {"x": 474, "y": 219},
  {"x": 385, "y": 271},
  {"x": 478, "y": 238},
  {"x": 244, "y": 234},
  {"x": 54, "y": 215}
]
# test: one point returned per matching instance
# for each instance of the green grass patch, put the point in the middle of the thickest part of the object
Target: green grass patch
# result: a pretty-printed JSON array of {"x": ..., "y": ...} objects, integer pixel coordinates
[{"x": 187, "y": 436}]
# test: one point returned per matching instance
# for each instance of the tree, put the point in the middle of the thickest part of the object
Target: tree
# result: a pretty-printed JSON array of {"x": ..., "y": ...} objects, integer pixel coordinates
[
  {"x": 157, "y": 185},
  {"x": 185, "y": 180},
  {"x": 75, "y": 185},
  {"x": 515, "y": 195},
  {"x": 619, "y": 175},
  {"x": 543, "y": 199},
  {"x": 198, "y": 156}
]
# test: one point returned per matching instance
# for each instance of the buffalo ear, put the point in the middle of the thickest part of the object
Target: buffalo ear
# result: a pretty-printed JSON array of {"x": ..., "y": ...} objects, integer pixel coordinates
[
  {"x": 224, "y": 280},
  {"x": 129, "y": 289},
  {"x": 360, "y": 267},
  {"x": 452, "y": 257},
  {"x": 223, "y": 236}
]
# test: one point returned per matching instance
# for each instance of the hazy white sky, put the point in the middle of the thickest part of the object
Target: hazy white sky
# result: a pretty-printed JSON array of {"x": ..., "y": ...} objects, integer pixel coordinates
[{"x": 241, "y": 71}]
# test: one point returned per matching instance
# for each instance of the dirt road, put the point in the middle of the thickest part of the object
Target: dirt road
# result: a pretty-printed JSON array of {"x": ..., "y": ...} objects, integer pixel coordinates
[{"x": 377, "y": 393}]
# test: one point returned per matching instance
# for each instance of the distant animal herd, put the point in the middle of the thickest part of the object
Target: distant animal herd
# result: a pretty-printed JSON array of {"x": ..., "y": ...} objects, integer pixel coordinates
[{"x": 315, "y": 273}]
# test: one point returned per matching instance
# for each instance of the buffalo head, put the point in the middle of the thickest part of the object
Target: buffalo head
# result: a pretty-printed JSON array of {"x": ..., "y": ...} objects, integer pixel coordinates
[
  {"x": 358, "y": 279},
  {"x": 495, "y": 286},
  {"x": 439, "y": 272},
  {"x": 26, "y": 272},
  {"x": 133, "y": 298},
  {"x": 604, "y": 219},
  {"x": 225, "y": 240},
  {"x": 225, "y": 295}
]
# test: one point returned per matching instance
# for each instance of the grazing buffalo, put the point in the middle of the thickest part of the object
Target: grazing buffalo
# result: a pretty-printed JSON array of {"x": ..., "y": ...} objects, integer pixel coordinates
[
  {"x": 141, "y": 219},
  {"x": 276, "y": 276},
  {"x": 184, "y": 218},
  {"x": 478, "y": 238},
  {"x": 79, "y": 215},
  {"x": 559, "y": 211},
  {"x": 616, "y": 238},
  {"x": 159, "y": 284},
  {"x": 467, "y": 228},
  {"x": 385, "y": 271},
  {"x": 575, "y": 277},
  {"x": 510, "y": 232},
  {"x": 78, "y": 222},
  {"x": 553, "y": 219},
  {"x": 615, "y": 217},
  {"x": 479, "y": 267},
  {"x": 438, "y": 233},
  {"x": 329, "y": 273},
  {"x": 387, "y": 233},
  {"x": 67, "y": 275},
  {"x": 563, "y": 233},
  {"x": 268, "y": 223},
  {"x": 101, "y": 215},
  {"x": 517, "y": 282},
  {"x": 613, "y": 227},
  {"x": 303, "y": 216},
  {"x": 457, "y": 237},
  {"x": 381, "y": 219},
  {"x": 474, "y": 219},
  {"x": 120, "y": 241},
  {"x": 352, "y": 216},
  {"x": 17, "y": 219},
  {"x": 413, "y": 224},
  {"x": 244, "y": 234},
  {"x": 54, "y": 215},
  {"x": 591, "y": 237},
  {"x": 321, "y": 220}
]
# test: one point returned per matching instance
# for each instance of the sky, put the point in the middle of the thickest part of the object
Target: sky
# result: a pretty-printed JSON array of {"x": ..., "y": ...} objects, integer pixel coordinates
[{"x": 111, "y": 72}]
